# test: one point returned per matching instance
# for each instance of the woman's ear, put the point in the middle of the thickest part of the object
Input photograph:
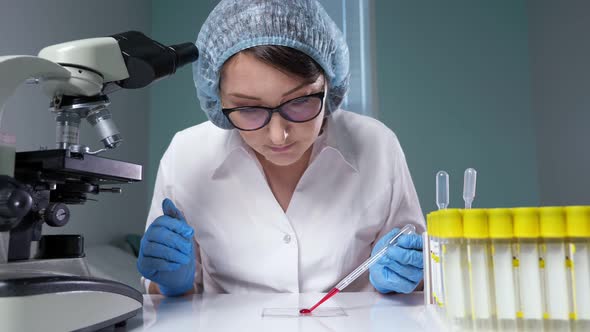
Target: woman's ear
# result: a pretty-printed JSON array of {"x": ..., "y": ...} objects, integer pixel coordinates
[{"x": 324, "y": 121}]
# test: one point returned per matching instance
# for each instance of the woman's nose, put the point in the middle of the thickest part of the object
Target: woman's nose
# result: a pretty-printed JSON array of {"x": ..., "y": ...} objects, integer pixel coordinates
[{"x": 278, "y": 129}]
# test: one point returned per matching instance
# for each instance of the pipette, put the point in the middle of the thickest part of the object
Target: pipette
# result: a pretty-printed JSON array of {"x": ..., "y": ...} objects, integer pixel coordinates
[
  {"x": 469, "y": 181},
  {"x": 442, "y": 190},
  {"x": 406, "y": 230}
]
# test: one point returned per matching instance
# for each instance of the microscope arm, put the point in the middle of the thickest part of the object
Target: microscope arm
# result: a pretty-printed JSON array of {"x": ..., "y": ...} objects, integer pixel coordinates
[{"x": 16, "y": 69}]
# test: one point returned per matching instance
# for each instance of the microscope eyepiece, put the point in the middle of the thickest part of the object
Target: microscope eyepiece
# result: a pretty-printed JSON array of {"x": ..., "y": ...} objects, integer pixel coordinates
[
  {"x": 147, "y": 60},
  {"x": 185, "y": 53}
]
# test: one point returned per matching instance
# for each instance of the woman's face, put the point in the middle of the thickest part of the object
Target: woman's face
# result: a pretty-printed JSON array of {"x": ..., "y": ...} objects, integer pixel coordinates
[{"x": 247, "y": 81}]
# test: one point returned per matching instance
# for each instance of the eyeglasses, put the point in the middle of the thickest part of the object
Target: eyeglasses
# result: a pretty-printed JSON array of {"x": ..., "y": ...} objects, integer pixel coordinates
[{"x": 301, "y": 109}]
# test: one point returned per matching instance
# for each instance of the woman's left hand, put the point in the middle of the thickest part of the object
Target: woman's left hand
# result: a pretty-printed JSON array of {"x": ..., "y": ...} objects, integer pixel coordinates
[{"x": 401, "y": 268}]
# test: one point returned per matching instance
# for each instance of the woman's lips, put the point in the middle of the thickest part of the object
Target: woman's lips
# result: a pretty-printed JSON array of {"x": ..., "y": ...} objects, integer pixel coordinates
[{"x": 280, "y": 149}]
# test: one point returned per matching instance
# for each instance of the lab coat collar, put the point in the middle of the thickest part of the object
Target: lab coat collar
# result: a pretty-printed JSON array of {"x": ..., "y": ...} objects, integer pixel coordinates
[
  {"x": 336, "y": 137},
  {"x": 233, "y": 144},
  {"x": 340, "y": 138}
]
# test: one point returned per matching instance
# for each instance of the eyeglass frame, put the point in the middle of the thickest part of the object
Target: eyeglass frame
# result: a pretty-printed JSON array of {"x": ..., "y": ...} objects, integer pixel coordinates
[{"x": 271, "y": 110}]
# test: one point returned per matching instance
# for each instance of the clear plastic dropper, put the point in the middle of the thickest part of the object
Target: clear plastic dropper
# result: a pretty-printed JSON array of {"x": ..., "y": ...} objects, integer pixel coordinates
[
  {"x": 442, "y": 190},
  {"x": 406, "y": 230},
  {"x": 469, "y": 180}
]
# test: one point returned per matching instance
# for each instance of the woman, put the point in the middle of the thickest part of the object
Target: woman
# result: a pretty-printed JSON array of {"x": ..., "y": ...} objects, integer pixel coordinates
[{"x": 280, "y": 191}]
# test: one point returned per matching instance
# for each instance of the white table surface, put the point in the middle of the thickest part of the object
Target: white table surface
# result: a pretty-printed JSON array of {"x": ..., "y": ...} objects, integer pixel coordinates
[{"x": 228, "y": 312}]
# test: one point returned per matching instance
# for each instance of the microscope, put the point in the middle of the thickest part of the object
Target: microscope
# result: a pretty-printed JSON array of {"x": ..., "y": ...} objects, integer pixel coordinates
[{"x": 45, "y": 283}]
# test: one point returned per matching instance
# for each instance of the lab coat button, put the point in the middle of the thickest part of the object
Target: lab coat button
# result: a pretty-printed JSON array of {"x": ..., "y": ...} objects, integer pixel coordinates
[{"x": 287, "y": 238}]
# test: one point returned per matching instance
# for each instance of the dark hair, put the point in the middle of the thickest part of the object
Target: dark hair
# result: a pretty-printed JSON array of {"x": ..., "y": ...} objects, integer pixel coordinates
[{"x": 288, "y": 60}]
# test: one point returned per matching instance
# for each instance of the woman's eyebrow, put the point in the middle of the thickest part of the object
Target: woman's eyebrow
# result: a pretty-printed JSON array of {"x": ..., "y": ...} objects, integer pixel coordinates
[
  {"x": 243, "y": 96},
  {"x": 295, "y": 88},
  {"x": 239, "y": 95}
]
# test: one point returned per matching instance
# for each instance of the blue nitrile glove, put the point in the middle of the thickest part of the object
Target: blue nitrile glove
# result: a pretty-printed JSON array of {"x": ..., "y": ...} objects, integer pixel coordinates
[
  {"x": 166, "y": 254},
  {"x": 401, "y": 268}
]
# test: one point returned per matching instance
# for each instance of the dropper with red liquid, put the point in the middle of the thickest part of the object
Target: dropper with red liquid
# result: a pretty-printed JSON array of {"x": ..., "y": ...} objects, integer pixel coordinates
[
  {"x": 408, "y": 229},
  {"x": 331, "y": 293}
]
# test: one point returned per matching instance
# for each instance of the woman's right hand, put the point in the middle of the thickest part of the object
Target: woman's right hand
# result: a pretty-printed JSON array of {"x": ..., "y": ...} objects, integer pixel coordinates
[{"x": 166, "y": 254}]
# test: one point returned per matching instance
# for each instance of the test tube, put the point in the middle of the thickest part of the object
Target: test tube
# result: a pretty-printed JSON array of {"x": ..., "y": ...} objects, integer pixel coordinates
[
  {"x": 429, "y": 296},
  {"x": 526, "y": 232},
  {"x": 578, "y": 232},
  {"x": 7, "y": 157},
  {"x": 454, "y": 267},
  {"x": 440, "y": 290},
  {"x": 476, "y": 233},
  {"x": 7, "y": 153},
  {"x": 434, "y": 258},
  {"x": 442, "y": 202},
  {"x": 553, "y": 255},
  {"x": 505, "y": 283}
]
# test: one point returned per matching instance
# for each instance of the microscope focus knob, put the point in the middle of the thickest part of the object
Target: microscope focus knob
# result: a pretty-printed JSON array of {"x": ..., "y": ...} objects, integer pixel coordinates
[
  {"x": 19, "y": 203},
  {"x": 57, "y": 214},
  {"x": 14, "y": 205}
]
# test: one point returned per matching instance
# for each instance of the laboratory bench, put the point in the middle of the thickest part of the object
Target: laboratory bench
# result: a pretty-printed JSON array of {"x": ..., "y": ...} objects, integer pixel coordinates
[{"x": 365, "y": 311}]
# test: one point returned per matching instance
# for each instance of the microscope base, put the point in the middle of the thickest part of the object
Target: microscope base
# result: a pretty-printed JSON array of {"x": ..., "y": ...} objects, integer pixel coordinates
[{"x": 65, "y": 303}]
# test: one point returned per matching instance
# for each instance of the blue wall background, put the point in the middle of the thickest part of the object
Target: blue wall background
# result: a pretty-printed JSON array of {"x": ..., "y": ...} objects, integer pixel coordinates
[{"x": 454, "y": 85}]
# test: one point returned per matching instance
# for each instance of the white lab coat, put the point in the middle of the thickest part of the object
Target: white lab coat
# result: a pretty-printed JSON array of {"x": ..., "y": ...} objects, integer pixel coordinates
[{"x": 356, "y": 188}]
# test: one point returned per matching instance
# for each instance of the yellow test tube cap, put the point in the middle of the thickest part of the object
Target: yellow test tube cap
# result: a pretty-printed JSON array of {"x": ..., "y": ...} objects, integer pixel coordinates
[
  {"x": 552, "y": 222},
  {"x": 475, "y": 224},
  {"x": 526, "y": 222},
  {"x": 578, "y": 221},
  {"x": 449, "y": 223},
  {"x": 501, "y": 223}
]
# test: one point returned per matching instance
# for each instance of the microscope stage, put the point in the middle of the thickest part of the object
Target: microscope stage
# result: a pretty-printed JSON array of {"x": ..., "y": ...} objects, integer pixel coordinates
[{"x": 62, "y": 163}]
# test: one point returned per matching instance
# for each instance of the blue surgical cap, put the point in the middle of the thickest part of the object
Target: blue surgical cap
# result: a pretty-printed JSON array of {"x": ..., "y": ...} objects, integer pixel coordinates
[{"x": 235, "y": 25}]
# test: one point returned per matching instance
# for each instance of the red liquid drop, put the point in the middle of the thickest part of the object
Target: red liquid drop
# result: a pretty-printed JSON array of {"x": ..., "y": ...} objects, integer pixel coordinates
[{"x": 332, "y": 292}]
